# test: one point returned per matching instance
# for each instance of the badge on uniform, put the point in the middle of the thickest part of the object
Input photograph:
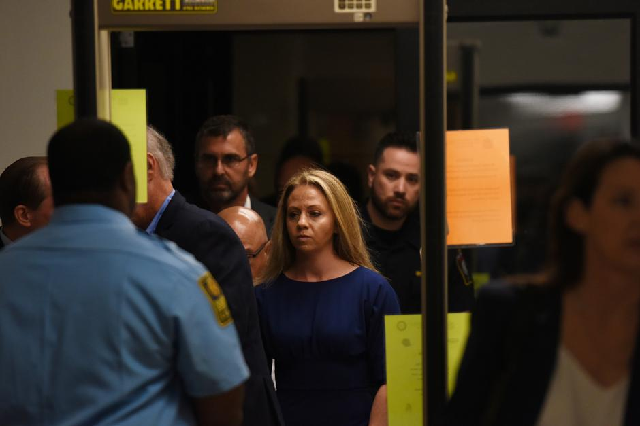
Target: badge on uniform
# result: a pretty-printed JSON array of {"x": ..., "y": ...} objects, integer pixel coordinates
[
  {"x": 462, "y": 268},
  {"x": 218, "y": 302}
]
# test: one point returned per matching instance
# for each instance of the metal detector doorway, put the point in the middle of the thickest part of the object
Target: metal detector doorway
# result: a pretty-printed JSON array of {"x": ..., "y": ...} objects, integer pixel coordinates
[{"x": 94, "y": 23}]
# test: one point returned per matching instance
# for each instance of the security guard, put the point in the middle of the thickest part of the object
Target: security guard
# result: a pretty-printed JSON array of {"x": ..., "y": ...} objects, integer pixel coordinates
[
  {"x": 101, "y": 324},
  {"x": 392, "y": 226}
]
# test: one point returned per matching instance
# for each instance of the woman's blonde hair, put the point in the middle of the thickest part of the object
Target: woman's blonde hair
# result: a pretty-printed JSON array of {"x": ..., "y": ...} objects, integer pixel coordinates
[{"x": 348, "y": 242}]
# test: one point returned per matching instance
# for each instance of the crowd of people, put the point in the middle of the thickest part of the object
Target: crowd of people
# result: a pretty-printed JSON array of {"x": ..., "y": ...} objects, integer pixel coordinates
[{"x": 221, "y": 309}]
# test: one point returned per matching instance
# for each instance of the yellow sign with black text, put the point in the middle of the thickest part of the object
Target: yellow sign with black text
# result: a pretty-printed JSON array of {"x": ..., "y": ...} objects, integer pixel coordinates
[
  {"x": 218, "y": 302},
  {"x": 164, "y": 6}
]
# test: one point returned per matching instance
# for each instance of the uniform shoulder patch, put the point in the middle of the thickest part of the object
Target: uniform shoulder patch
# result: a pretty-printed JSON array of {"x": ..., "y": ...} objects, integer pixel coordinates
[{"x": 216, "y": 298}]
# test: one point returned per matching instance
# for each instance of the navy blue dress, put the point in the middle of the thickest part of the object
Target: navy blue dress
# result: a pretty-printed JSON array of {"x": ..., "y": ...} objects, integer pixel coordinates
[{"x": 327, "y": 340}]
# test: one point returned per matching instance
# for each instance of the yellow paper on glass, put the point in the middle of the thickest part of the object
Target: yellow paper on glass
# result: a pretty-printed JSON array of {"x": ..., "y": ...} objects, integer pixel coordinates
[
  {"x": 458, "y": 325},
  {"x": 65, "y": 108},
  {"x": 480, "y": 279},
  {"x": 129, "y": 113},
  {"x": 403, "y": 346},
  {"x": 479, "y": 209}
]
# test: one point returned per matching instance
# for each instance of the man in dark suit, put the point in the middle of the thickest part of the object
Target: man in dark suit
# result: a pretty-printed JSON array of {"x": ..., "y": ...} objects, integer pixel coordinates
[
  {"x": 26, "y": 203},
  {"x": 226, "y": 160},
  {"x": 212, "y": 242}
]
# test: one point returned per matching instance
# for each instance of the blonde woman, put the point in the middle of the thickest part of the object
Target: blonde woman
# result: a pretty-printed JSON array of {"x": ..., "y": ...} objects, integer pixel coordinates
[{"x": 322, "y": 308}]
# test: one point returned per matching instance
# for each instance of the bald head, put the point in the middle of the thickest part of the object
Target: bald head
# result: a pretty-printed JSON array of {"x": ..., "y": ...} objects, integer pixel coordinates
[
  {"x": 246, "y": 222},
  {"x": 249, "y": 227}
]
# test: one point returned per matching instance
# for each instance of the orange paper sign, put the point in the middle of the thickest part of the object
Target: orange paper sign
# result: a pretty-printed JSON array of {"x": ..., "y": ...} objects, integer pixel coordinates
[{"x": 479, "y": 207}]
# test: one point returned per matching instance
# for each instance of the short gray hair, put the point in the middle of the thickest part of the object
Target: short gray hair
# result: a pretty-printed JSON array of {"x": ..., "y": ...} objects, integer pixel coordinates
[{"x": 160, "y": 148}]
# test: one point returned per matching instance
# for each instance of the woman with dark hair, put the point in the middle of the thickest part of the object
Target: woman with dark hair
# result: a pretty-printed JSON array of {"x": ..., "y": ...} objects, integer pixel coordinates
[{"x": 566, "y": 352}]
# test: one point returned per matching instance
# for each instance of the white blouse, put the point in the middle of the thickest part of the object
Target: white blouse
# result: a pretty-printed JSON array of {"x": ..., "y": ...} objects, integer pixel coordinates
[{"x": 575, "y": 399}]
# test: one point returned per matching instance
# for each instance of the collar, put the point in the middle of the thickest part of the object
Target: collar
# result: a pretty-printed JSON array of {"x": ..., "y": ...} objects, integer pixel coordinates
[
  {"x": 89, "y": 213},
  {"x": 247, "y": 202},
  {"x": 151, "y": 229},
  {"x": 5, "y": 240}
]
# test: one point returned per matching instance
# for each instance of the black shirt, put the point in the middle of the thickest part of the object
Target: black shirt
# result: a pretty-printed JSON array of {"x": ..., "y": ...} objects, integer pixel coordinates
[{"x": 396, "y": 254}]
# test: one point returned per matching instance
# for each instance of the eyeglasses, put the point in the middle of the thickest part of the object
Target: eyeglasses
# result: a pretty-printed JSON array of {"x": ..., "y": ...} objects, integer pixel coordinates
[
  {"x": 227, "y": 160},
  {"x": 257, "y": 252}
]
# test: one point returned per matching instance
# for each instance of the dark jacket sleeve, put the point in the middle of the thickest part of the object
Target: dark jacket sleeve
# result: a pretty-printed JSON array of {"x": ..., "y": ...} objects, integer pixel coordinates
[
  {"x": 223, "y": 254},
  {"x": 216, "y": 245},
  {"x": 510, "y": 356},
  {"x": 483, "y": 357}
]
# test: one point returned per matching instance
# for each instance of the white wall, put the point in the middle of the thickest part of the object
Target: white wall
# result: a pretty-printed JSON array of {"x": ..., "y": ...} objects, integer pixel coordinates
[{"x": 35, "y": 60}]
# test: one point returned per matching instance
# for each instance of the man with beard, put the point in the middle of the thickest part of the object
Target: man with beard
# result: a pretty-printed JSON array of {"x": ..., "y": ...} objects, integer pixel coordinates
[
  {"x": 226, "y": 160},
  {"x": 393, "y": 225}
]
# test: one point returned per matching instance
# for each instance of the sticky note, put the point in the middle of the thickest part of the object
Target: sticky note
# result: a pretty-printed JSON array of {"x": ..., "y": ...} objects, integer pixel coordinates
[
  {"x": 458, "y": 325},
  {"x": 129, "y": 113},
  {"x": 403, "y": 345},
  {"x": 479, "y": 207},
  {"x": 65, "y": 111},
  {"x": 480, "y": 279}
]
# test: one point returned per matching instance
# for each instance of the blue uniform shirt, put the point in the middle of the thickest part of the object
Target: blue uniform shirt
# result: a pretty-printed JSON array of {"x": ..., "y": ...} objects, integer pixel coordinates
[{"x": 101, "y": 324}]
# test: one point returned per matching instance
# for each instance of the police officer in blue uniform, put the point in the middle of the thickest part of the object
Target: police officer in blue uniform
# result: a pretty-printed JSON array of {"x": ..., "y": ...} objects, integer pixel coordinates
[{"x": 101, "y": 324}]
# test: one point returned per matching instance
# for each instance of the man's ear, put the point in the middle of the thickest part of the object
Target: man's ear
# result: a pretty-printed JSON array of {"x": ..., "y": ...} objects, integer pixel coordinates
[
  {"x": 253, "y": 164},
  {"x": 21, "y": 213},
  {"x": 371, "y": 172},
  {"x": 152, "y": 167},
  {"x": 267, "y": 248},
  {"x": 576, "y": 216},
  {"x": 127, "y": 181}
]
